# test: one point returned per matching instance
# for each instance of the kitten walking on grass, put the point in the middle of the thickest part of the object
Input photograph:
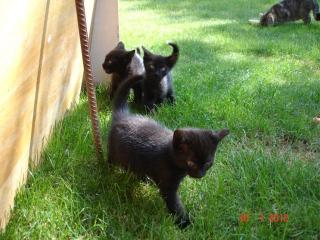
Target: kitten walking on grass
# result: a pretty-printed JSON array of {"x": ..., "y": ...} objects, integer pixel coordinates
[{"x": 148, "y": 149}]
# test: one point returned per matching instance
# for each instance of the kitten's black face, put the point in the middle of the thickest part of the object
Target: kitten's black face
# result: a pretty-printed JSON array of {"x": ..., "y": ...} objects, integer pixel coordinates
[
  {"x": 159, "y": 66},
  {"x": 195, "y": 149},
  {"x": 117, "y": 60},
  {"x": 156, "y": 67}
]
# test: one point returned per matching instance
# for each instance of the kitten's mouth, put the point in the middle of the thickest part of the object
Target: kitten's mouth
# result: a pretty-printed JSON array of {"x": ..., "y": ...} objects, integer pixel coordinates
[
  {"x": 194, "y": 171},
  {"x": 107, "y": 70},
  {"x": 155, "y": 75},
  {"x": 196, "y": 174}
]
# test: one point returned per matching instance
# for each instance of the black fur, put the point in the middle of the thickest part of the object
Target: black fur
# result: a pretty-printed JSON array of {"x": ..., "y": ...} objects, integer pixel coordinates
[
  {"x": 291, "y": 10},
  {"x": 148, "y": 149},
  {"x": 157, "y": 85},
  {"x": 118, "y": 62}
]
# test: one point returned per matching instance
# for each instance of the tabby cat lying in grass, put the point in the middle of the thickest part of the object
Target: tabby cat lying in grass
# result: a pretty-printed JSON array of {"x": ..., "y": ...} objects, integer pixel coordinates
[
  {"x": 291, "y": 10},
  {"x": 148, "y": 149}
]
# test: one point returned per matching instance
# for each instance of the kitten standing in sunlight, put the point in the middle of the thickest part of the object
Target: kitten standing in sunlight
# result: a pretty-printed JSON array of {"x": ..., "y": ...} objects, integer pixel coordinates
[
  {"x": 157, "y": 85},
  {"x": 148, "y": 149}
]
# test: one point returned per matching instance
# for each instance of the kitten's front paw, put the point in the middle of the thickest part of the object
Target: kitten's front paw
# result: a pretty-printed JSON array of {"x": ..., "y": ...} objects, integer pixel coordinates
[
  {"x": 145, "y": 179},
  {"x": 171, "y": 100},
  {"x": 183, "y": 222}
]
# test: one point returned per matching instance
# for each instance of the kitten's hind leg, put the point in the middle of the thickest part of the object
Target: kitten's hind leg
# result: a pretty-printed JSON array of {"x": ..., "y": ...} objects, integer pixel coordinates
[
  {"x": 137, "y": 90},
  {"x": 113, "y": 89},
  {"x": 111, "y": 93},
  {"x": 110, "y": 162},
  {"x": 316, "y": 13},
  {"x": 171, "y": 98},
  {"x": 306, "y": 19}
]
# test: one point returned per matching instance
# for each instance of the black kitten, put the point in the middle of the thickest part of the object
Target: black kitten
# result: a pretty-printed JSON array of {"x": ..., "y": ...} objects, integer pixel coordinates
[
  {"x": 157, "y": 85},
  {"x": 123, "y": 64},
  {"x": 291, "y": 10},
  {"x": 148, "y": 149}
]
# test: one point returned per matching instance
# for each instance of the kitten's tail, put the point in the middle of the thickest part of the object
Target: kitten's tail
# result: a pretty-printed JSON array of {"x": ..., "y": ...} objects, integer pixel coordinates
[
  {"x": 316, "y": 13},
  {"x": 175, "y": 48},
  {"x": 138, "y": 51},
  {"x": 120, "y": 105},
  {"x": 173, "y": 58}
]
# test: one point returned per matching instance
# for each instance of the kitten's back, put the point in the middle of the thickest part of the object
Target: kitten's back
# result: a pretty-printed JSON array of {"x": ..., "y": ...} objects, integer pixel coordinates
[
  {"x": 140, "y": 133},
  {"x": 135, "y": 140},
  {"x": 139, "y": 144}
]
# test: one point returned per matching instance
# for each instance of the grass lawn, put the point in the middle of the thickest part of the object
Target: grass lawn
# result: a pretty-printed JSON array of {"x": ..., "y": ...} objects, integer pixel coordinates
[{"x": 262, "y": 83}]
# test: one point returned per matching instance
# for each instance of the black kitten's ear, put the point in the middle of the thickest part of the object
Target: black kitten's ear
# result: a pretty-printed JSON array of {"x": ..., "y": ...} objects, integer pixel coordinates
[
  {"x": 120, "y": 45},
  {"x": 219, "y": 135},
  {"x": 173, "y": 58},
  {"x": 130, "y": 54},
  {"x": 180, "y": 139},
  {"x": 146, "y": 52},
  {"x": 138, "y": 51}
]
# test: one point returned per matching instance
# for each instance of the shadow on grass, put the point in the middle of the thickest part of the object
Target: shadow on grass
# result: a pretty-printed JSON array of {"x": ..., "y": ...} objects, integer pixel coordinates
[
  {"x": 246, "y": 93},
  {"x": 202, "y": 10}
]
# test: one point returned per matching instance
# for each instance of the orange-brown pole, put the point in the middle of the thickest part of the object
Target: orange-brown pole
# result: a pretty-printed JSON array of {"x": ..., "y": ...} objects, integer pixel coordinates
[{"x": 89, "y": 77}]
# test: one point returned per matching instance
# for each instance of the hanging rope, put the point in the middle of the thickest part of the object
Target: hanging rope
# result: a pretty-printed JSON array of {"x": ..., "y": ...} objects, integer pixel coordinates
[{"x": 89, "y": 77}]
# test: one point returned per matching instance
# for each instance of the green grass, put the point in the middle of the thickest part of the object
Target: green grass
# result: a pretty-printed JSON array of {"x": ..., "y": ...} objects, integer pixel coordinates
[{"x": 262, "y": 83}]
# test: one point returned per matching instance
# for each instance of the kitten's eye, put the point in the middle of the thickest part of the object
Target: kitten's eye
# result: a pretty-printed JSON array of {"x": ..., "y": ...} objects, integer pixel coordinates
[
  {"x": 151, "y": 66},
  {"x": 163, "y": 69},
  {"x": 110, "y": 62}
]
